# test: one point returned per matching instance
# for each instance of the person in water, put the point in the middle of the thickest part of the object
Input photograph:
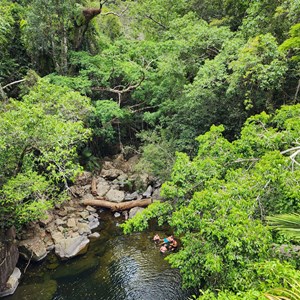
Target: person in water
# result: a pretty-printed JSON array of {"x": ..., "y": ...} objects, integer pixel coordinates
[
  {"x": 173, "y": 245},
  {"x": 168, "y": 240},
  {"x": 163, "y": 249},
  {"x": 156, "y": 238}
]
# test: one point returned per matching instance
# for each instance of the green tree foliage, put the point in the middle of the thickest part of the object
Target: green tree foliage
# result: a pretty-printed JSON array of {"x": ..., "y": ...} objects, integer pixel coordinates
[
  {"x": 39, "y": 137},
  {"x": 14, "y": 61},
  {"x": 46, "y": 34},
  {"x": 220, "y": 199}
]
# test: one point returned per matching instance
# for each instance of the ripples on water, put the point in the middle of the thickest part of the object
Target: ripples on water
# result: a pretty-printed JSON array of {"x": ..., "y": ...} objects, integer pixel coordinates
[{"x": 116, "y": 267}]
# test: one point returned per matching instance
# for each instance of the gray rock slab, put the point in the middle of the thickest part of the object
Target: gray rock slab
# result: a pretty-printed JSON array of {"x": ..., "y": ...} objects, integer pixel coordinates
[
  {"x": 60, "y": 222},
  {"x": 83, "y": 228},
  {"x": 94, "y": 223},
  {"x": 70, "y": 247},
  {"x": 12, "y": 283},
  {"x": 84, "y": 214},
  {"x": 156, "y": 194},
  {"x": 34, "y": 249},
  {"x": 71, "y": 223},
  {"x": 111, "y": 174},
  {"x": 115, "y": 195},
  {"x": 94, "y": 235},
  {"x": 135, "y": 211},
  {"x": 91, "y": 209},
  {"x": 102, "y": 187},
  {"x": 148, "y": 192},
  {"x": 132, "y": 196},
  {"x": 57, "y": 236}
]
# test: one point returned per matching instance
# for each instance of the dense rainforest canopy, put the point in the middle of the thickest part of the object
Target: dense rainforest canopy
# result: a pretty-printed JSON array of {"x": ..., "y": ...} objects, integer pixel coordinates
[{"x": 207, "y": 92}]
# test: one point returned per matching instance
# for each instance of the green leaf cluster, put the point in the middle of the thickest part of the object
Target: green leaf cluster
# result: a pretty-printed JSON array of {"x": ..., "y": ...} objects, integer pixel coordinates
[
  {"x": 38, "y": 149},
  {"x": 220, "y": 200}
]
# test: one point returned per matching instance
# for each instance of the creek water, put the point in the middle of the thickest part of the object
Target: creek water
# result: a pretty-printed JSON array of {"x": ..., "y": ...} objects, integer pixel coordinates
[{"x": 115, "y": 267}]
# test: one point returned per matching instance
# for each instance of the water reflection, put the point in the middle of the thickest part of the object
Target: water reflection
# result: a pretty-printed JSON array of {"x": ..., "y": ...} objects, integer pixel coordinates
[{"x": 116, "y": 267}]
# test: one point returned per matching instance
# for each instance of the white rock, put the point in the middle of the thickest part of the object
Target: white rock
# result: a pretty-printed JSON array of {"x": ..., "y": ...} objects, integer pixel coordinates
[
  {"x": 70, "y": 247},
  {"x": 94, "y": 223},
  {"x": 94, "y": 235},
  {"x": 12, "y": 283}
]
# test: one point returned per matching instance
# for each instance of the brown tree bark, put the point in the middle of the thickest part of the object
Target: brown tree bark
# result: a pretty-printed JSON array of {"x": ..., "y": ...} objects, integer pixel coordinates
[{"x": 118, "y": 206}]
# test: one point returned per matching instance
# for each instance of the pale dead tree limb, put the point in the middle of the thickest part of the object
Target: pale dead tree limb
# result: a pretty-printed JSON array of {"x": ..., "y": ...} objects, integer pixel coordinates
[
  {"x": 293, "y": 155},
  {"x": 122, "y": 89},
  {"x": 12, "y": 83},
  {"x": 114, "y": 13},
  {"x": 291, "y": 149},
  {"x": 245, "y": 160},
  {"x": 294, "y": 161}
]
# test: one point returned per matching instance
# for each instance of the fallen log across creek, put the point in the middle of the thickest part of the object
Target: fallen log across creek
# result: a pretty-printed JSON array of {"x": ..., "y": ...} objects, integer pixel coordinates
[{"x": 118, "y": 206}]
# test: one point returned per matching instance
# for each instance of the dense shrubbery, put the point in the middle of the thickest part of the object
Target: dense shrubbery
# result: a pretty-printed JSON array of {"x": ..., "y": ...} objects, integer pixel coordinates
[{"x": 197, "y": 87}]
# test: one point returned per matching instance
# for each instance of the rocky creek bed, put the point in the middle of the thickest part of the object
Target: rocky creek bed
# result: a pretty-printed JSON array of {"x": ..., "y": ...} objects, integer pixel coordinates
[
  {"x": 115, "y": 267},
  {"x": 50, "y": 247}
]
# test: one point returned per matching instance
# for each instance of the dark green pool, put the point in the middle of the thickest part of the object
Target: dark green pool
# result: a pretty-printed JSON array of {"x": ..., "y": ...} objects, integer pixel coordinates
[{"x": 115, "y": 267}]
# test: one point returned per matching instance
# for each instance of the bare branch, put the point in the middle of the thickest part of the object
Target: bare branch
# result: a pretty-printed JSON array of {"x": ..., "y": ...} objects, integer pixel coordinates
[
  {"x": 289, "y": 150},
  {"x": 156, "y": 22},
  {"x": 114, "y": 13},
  {"x": 245, "y": 160},
  {"x": 122, "y": 91},
  {"x": 12, "y": 83}
]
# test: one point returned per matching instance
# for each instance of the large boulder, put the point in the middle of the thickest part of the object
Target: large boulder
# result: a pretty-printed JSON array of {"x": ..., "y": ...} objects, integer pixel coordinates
[
  {"x": 93, "y": 221},
  {"x": 115, "y": 195},
  {"x": 156, "y": 194},
  {"x": 34, "y": 249},
  {"x": 148, "y": 192},
  {"x": 70, "y": 247},
  {"x": 132, "y": 196},
  {"x": 111, "y": 174},
  {"x": 135, "y": 211},
  {"x": 102, "y": 187},
  {"x": 12, "y": 283}
]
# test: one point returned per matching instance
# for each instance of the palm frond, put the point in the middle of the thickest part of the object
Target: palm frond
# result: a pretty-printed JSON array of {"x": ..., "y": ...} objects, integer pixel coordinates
[{"x": 287, "y": 223}]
